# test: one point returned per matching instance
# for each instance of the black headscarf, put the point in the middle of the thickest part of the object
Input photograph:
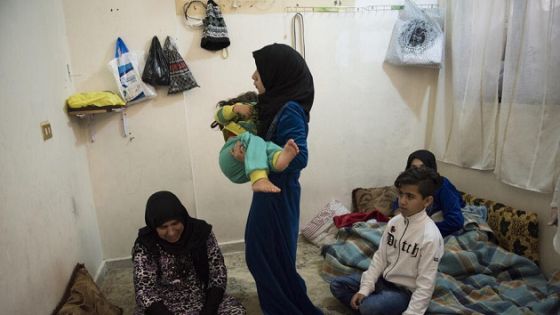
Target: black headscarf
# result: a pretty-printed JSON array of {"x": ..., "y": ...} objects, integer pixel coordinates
[
  {"x": 285, "y": 77},
  {"x": 164, "y": 206},
  {"x": 425, "y": 156}
]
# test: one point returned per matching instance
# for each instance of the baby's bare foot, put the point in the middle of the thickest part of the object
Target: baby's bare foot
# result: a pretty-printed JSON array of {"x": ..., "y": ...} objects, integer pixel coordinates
[
  {"x": 265, "y": 185},
  {"x": 287, "y": 155}
]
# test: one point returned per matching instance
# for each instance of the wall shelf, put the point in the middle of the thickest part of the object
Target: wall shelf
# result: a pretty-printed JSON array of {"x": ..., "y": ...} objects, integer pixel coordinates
[
  {"x": 83, "y": 112},
  {"x": 90, "y": 113}
]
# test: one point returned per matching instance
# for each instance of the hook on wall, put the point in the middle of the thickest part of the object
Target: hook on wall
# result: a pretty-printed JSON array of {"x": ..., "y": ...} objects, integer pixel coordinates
[{"x": 194, "y": 21}]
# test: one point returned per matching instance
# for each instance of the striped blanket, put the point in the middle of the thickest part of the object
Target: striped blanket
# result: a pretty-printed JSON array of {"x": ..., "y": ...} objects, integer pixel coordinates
[{"x": 475, "y": 275}]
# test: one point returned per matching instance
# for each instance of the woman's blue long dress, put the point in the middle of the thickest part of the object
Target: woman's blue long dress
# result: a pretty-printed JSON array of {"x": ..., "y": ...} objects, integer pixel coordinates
[{"x": 272, "y": 227}]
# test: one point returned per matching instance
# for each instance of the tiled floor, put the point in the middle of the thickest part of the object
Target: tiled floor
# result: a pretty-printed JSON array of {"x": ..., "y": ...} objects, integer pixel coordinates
[{"x": 117, "y": 283}]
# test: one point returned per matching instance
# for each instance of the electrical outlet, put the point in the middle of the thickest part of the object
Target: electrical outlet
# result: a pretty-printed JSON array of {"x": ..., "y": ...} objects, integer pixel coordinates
[{"x": 46, "y": 130}]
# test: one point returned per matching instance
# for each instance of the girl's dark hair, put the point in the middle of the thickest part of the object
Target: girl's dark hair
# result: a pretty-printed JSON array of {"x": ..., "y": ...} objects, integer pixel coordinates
[
  {"x": 427, "y": 180},
  {"x": 427, "y": 158},
  {"x": 247, "y": 97}
]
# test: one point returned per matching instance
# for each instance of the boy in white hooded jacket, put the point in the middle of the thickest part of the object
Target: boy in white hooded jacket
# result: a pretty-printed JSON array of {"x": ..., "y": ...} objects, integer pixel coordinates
[{"x": 402, "y": 274}]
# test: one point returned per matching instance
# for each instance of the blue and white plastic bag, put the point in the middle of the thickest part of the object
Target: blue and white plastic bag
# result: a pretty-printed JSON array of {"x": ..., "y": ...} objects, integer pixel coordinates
[{"x": 126, "y": 70}]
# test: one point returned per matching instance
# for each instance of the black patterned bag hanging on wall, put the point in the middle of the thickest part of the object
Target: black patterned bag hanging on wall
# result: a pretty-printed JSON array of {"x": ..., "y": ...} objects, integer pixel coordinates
[
  {"x": 215, "y": 35},
  {"x": 180, "y": 77}
]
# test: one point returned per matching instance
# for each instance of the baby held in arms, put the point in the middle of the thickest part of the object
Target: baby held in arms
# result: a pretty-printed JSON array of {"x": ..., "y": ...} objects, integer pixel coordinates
[{"x": 245, "y": 156}]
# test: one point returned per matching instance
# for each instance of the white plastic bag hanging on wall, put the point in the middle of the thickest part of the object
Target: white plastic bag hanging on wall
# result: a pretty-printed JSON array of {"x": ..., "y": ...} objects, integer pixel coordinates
[
  {"x": 417, "y": 38},
  {"x": 126, "y": 70}
]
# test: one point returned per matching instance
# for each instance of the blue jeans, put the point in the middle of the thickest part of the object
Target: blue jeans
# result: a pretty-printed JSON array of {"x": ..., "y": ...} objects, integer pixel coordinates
[{"x": 387, "y": 298}]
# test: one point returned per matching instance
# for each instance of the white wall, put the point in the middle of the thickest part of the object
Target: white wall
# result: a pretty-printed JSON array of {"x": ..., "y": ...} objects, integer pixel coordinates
[
  {"x": 47, "y": 215},
  {"x": 354, "y": 134},
  {"x": 366, "y": 119},
  {"x": 126, "y": 171}
]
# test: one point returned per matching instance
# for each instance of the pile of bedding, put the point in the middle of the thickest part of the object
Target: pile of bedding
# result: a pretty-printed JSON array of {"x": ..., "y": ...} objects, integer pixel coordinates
[{"x": 475, "y": 276}]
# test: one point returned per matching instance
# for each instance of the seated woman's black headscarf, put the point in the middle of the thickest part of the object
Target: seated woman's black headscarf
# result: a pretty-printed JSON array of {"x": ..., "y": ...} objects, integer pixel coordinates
[
  {"x": 164, "y": 206},
  {"x": 285, "y": 76},
  {"x": 427, "y": 157}
]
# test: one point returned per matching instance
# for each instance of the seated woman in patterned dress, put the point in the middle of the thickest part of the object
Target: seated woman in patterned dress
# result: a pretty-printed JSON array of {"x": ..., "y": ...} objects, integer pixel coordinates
[{"x": 178, "y": 266}]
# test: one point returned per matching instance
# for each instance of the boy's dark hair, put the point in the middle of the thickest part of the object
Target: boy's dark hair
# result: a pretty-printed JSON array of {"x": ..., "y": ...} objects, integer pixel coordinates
[
  {"x": 247, "y": 97},
  {"x": 427, "y": 180}
]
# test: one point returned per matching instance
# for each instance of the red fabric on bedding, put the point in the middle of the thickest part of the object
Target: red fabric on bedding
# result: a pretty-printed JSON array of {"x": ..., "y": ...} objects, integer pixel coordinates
[{"x": 351, "y": 218}]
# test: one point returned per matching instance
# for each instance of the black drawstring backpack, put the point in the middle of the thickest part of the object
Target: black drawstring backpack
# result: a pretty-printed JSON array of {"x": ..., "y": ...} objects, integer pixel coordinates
[
  {"x": 215, "y": 35},
  {"x": 156, "y": 71}
]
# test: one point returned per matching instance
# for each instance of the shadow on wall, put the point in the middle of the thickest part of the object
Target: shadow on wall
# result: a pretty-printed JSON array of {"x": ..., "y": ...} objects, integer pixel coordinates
[{"x": 424, "y": 83}]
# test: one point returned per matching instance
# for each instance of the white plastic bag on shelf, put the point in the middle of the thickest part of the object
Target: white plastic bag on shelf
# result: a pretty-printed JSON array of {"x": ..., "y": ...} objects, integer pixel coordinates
[
  {"x": 418, "y": 38},
  {"x": 126, "y": 70}
]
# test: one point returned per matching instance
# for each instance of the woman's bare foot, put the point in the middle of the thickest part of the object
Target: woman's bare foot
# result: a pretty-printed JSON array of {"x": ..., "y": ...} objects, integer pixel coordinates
[
  {"x": 265, "y": 185},
  {"x": 287, "y": 155}
]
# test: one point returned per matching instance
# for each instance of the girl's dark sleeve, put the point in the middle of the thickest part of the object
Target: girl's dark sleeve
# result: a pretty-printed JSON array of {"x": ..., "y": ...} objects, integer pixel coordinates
[
  {"x": 292, "y": 124},
  {"x": 450, "y": 203}
]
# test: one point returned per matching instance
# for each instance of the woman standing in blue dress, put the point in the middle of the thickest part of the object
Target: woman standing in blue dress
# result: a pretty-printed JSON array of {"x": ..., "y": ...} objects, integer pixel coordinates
[{"x": 286, "y": 93}]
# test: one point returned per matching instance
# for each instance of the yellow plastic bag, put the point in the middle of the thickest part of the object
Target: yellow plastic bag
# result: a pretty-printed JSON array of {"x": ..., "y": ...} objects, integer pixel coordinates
[{"x": 88, "y": 100}]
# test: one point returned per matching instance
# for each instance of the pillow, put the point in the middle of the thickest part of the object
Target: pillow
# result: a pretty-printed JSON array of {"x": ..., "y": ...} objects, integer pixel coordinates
[
  {"x": 323, "y": 221},
  {"x": 515, "y": 230},
  {"x": 83, "y": 296},
  {"x": 327, "y": 237},
  {"x": 378, "y": 198}
]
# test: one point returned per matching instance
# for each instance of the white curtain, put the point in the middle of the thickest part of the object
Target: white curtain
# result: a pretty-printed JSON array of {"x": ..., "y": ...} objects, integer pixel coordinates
[
  {"x": 530, "y": 115},
  {"x": 464, "y": 126}
]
